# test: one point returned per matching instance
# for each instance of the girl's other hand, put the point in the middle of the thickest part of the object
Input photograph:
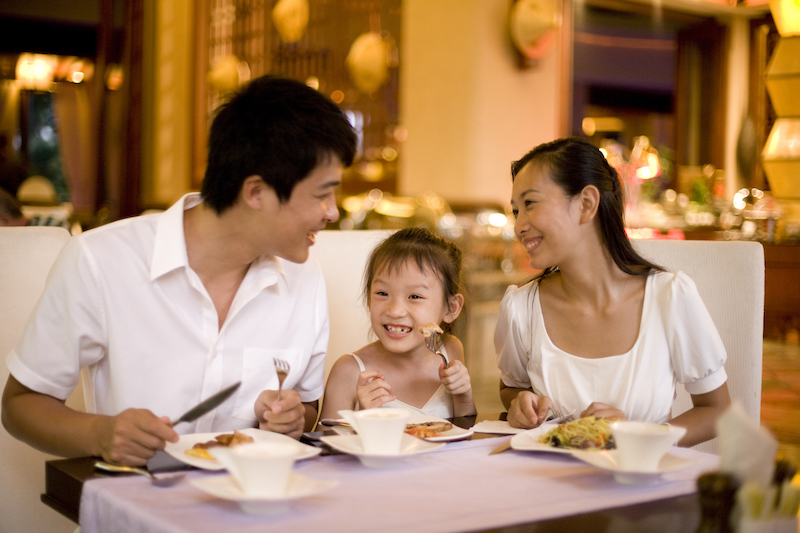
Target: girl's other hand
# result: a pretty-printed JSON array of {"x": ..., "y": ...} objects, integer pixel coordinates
[
  {"x": 455, "y": 378},
  {"x": 372, "y": 389},
  {"x": 603, "y": 410},
  {"x": 528, "y": 410}
]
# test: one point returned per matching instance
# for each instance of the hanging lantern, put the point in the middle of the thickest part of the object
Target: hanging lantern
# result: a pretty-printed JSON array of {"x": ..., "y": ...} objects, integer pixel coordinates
[
  {"x": 368, "y": 62},
  {"x": 291, "y": 19}
]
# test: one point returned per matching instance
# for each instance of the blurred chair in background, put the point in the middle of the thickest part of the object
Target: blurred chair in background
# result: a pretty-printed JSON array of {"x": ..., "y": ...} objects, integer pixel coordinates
[
  {"x": 730, "y": 279},
  {"x": 25, "y": 261},
  {"x": 343, "y": 255}
]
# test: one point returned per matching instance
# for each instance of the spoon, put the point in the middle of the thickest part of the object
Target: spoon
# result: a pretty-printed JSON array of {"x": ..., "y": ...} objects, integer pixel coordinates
[{"x": 160, "y": 481}]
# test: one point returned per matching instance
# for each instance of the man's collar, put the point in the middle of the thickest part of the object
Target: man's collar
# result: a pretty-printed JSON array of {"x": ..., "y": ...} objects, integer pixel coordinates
[{"x": 169, "y": 250}]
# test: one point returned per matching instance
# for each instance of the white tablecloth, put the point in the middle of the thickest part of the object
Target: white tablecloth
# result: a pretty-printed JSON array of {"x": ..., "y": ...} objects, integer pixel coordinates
[{"x": 459, "y": 487}]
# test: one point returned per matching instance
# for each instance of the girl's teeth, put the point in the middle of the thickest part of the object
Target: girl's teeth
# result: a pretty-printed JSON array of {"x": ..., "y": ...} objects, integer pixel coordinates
[{"x": 392, "y": 329}]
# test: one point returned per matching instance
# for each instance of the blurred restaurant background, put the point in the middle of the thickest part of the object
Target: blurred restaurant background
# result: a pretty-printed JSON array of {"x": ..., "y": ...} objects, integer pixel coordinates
[{"x": 105, "y": 105}]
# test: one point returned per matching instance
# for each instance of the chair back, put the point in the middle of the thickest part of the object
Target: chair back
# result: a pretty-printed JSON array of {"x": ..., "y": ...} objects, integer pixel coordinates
[
  {"x": 730, "y": 279},
  {"x": 343, "y": 255},
  {"x": 26, "y": 255}
]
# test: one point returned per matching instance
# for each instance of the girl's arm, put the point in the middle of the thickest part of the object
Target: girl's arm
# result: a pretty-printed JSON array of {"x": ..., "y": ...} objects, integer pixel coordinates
[
  {"x": 700, "y": 420},
  {"x": 456, "y": 379},
  {"x": 340, "y": 389}
]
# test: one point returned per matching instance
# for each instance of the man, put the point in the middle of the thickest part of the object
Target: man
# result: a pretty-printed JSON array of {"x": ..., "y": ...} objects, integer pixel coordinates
[
  {"x": 11, "y": 215},
  {"x": 162, "y": 311}
]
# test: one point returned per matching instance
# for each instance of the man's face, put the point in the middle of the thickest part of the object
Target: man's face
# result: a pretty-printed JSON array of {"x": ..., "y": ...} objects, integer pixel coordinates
[{"x": 293, "y": 225}]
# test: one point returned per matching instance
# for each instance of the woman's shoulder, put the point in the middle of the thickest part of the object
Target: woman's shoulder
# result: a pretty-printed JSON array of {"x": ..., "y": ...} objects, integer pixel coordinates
[{"x": 675, "y": 282}]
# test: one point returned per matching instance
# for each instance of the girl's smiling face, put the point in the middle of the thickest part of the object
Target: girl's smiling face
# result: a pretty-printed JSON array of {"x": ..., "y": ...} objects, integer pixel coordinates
[{"x": 403, "y": 299}]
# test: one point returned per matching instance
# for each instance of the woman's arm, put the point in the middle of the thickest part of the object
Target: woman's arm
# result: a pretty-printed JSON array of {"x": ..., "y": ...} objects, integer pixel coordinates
[{"x": 700, "y": 420}]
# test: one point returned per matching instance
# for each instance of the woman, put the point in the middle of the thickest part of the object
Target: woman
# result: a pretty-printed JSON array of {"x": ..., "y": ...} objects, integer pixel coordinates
[{"x": 602, "y": 331}]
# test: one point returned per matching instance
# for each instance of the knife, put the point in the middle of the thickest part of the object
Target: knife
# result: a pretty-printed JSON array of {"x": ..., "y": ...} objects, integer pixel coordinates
[{"x": 206, "y": 405}]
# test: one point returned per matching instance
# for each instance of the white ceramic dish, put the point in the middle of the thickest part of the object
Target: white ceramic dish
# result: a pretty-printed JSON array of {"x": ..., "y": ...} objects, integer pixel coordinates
[
  {"x": 185, "y": 442},
  {"x": 226, "y": 488},
  {"x": 609, "y": 460},
  {"x": 529, "y": 441},
  {"x": 454, "y": 433},
  {"x": 351, "y": 444}
]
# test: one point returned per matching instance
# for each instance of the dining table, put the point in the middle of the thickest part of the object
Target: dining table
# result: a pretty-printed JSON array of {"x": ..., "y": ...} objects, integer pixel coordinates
[{"x": 458, "y": 487}]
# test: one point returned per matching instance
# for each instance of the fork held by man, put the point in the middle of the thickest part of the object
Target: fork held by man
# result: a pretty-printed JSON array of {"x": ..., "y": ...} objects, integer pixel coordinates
[{"x": 282, "y": 368}]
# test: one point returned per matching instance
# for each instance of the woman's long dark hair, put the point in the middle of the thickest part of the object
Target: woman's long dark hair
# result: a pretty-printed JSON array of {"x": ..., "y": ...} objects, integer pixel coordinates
[{"x": 573, "y": 163}]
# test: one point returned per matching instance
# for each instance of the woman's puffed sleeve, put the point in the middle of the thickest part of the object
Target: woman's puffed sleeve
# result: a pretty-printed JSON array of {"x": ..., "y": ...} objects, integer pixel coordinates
[
  {"x": 698, "y": 355},
  {"x": 512, "y": 353}
]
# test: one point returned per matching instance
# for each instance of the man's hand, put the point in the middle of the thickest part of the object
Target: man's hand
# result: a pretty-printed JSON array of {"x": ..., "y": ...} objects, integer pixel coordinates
[
  {"x": 286, "y": 416},
  {"x": 133, "y": 436},
  {"x": 528, "y": 410}
]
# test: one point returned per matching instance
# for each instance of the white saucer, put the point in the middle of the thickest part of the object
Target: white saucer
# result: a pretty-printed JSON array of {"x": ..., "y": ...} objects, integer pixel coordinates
[
  {"x": 185, "y": 442},
  {"x": 227, "y": 488},
  {"x": 351, "y": 444},
  {"x": 607, "y": 460}
]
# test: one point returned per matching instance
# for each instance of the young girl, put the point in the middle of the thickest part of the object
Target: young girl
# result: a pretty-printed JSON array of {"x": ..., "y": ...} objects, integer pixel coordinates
[
  {"x": 602, "y": 331},
  {"x": 412, "y": 279}
]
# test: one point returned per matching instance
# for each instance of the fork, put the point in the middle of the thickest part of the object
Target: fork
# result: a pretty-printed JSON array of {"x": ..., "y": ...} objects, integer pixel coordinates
[
  {"x": 431, "y": 343},
  {"x": 282, "y": 368}
]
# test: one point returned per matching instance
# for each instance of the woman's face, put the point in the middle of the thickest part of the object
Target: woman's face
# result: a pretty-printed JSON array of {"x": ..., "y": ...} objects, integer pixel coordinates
[{"x": 547, "y": 221}]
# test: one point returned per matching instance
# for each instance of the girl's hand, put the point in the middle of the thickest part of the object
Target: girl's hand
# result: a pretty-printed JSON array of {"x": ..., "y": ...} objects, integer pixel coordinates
[
  {"x": 528, "y": 410},
  {"x": 372, "y": 389},
  {"x": 603, "y": 410},
  {"x": 455, "y": 378}
]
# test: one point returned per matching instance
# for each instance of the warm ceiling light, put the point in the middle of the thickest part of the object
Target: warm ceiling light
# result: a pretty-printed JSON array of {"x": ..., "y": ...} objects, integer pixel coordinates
[
  {"x": 787, "y": 16},
  {"x": 35, "y": 71}
]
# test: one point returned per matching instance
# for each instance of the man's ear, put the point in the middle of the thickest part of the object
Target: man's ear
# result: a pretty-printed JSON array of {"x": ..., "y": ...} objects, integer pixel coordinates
[
  {"x": 252, "y": 190},
  {"x": 454, "y": 307},
  {"x": 589, "y": 203}
]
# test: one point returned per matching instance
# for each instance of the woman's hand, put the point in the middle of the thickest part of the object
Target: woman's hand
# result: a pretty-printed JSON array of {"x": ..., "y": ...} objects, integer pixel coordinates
[
  {"x": 528, "y": 410},
  {"x": 603, "y": 410},
  {"x": 372, "y": 389},
  {"x": 455, "y": 378}
]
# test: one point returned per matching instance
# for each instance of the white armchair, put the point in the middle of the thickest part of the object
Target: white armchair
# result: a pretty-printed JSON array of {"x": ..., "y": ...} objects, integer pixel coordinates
[
  {"x": 343, "y": 255},
  {"x": 730, "y": 279},
  {"x": 25, "y": 261}
]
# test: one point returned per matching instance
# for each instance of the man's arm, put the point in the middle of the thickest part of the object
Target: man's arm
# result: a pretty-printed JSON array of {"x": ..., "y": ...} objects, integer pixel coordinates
[{"x": 45, "y": 423}]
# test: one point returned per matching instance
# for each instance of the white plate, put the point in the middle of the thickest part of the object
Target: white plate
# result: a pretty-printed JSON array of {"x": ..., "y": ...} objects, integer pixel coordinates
[
  {"x": 351, "y": 444},
  {"x": 608, "y": 460},
  {"x": 227, "y": 488},
  {"x": 185, "y": 442},
  {"x": 454, "y": 433},
  {"x": 529, "y": 441}
]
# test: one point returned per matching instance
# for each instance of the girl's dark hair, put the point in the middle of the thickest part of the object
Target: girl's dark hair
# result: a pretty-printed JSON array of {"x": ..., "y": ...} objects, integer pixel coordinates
[
  {"x": 573, "y": 163},
  {"x": 429, "y": 251}
]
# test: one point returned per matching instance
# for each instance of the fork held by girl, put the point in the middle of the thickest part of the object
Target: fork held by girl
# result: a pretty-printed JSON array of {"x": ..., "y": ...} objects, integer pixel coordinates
[{"x": 412, "y": 279}]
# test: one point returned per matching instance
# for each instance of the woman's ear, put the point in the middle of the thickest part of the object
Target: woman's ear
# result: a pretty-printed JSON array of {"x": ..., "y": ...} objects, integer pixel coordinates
[
  {"x": 454, "y": 307},
  {"x": 589, "y": 203}
]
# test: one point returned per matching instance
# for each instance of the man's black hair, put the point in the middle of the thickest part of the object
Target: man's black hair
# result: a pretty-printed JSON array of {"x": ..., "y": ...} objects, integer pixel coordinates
[{"x": 279, "y": 129}]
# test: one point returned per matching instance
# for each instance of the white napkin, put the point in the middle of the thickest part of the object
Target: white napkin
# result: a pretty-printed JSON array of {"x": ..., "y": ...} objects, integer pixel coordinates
[
  {"x": 496, "y": 427},
  {"x": 748, "y": 450}
]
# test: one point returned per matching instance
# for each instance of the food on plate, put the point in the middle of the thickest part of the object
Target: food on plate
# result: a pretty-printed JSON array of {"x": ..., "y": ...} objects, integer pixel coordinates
[
  {"x": 430, "y": 329},
  {"x": 427, "y": 430},
  {"x": 582, "y": 434},
  {"x": 229, "y": 440}
]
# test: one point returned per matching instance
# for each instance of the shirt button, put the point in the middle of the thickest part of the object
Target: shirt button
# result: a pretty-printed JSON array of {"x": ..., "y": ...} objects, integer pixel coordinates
[{"x": 207, "y": 304}]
